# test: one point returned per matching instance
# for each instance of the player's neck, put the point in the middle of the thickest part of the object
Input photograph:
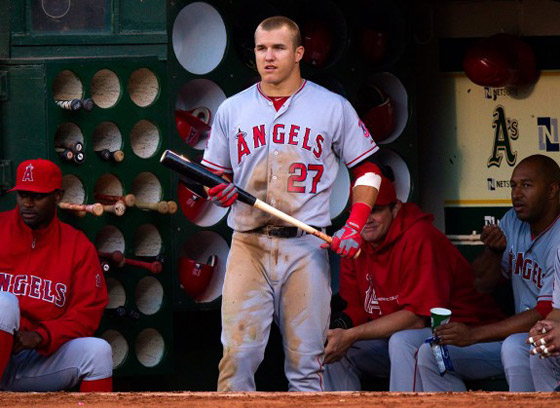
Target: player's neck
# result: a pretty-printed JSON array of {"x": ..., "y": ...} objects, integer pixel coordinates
[{"x": 286, "y": 88}]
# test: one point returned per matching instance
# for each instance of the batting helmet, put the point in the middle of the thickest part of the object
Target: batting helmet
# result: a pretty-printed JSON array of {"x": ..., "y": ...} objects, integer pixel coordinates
[
  {"x": 499, "y": 61},
  {"x": 376, "y": 111},
  {"x": 373, "y": 44},
  {"x": 191, "y": 124},
  {"x": 317, "y": 41},
  {"x": 191, "y": 200},
  {"x": 194, "y": 277}
]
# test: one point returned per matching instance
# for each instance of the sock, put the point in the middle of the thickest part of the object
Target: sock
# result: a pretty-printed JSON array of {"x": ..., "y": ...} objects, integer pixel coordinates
[
  {"x": 103, "y": 385},
  {"x": 6, "y": 343}
]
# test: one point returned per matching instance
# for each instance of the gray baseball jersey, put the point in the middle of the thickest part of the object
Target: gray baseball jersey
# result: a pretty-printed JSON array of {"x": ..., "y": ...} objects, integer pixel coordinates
[
  {"x": 287, "y": 158},
  {"x": 529, "y": 262}
]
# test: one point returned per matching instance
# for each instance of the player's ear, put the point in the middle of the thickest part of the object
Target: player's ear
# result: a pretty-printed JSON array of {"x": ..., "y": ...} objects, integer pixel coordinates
[
  {"x": 554, "y": 190},
  {"x": 299, "y": 53},
  {"x": 396, "y": 208},
  {"x": 58, "y": 195}
]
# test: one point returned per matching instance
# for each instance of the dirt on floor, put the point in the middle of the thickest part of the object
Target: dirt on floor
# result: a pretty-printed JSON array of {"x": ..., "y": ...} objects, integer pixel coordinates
[{"x": 279, "y": 399}]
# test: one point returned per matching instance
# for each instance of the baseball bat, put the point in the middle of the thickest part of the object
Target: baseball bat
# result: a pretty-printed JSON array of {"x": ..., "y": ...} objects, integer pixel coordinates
[
  {"x": 161, "y": 207},
  {"x": 95, "y": 209},
  {"x": 172, "y": 207},
  {"x": 118, "y": 208},
  {"x": 116, "y": 257},
  {"x": 198, "y": 173},
  {"x": 128, "y": 199},
  {"x": 154, "y": 267}
]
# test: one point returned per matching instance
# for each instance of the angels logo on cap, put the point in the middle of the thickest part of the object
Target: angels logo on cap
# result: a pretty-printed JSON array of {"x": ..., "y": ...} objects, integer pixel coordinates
[{"x": 38, "y": 176}]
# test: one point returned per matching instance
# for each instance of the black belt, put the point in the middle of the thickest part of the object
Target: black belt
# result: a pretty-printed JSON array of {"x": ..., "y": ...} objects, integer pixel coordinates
[{"x": 279, "y": 231}]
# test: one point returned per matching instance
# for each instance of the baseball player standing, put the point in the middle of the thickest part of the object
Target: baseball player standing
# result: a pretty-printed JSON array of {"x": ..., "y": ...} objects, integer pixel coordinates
[
  {"x": 52, "y": 293},
  {"x": 407, "y": 268},
  {"x": 544, "y": 337},
  {"x": 523, "y": 249},
  {"x": 281, "y": 140}
]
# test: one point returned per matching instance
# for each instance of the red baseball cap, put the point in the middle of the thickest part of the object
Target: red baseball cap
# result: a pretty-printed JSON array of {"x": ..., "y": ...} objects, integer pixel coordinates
[
  {"x": 387, "y": 194},
  {"x": 38, "y": 176}
]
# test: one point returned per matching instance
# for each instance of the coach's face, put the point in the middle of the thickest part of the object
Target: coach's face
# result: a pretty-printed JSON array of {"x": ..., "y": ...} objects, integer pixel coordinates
[
  {"x": 276, "y": 55},
  {"x": 379, "y": 222},
  {"x": 529, "y": 192},
  {"x": 37, "y": 209}
]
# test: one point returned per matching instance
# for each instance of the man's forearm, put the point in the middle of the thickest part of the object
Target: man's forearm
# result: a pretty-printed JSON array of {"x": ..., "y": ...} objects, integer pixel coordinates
[
  {"x": 364, "y": 194},
  {"x": 487, "y": 269},
  {"x": 385, "y": 326},
  {"x": 520, "y": 323}
]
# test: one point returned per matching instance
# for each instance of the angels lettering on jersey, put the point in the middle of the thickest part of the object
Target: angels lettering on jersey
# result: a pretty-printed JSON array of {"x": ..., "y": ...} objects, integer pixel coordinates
[
  {"x": 281, "y": 134},
  {"x": 34, "y": 287},
  {"x": 525, "y": 266},
  {"x": 371, "y": 302}
]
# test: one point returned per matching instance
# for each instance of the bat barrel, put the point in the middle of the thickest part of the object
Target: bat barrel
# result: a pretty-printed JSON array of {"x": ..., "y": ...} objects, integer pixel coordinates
[{"x": 199, "y": 174}]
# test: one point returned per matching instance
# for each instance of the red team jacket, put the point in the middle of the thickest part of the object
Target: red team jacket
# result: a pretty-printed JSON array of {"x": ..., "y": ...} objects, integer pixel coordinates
[
  {"x": 55, "y": 274},
  {"x": 415, "y": 268}
]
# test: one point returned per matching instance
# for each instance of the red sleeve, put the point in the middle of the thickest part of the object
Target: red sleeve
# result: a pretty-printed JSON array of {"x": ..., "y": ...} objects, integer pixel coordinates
[
  {"x": 88, "y": 298},
  {"x": 425, "y": 281},
  {"x": 363, "y": 168},
  {"x": 544, "y": 307},
  {"x": 350, "y": 292}
]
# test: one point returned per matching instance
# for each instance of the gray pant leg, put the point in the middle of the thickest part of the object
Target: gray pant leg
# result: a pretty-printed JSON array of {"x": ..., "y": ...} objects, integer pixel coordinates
[
  {"x": 474, "y": 362},
  {"x": 403, "y": 348},
  {"x": 86, "y": 358},
  {"x": 364, "y": 357},
  {"x": 545, "y": 372},
  {"x": 515, "y": 358},
  {"x": 9, "y": 312}
]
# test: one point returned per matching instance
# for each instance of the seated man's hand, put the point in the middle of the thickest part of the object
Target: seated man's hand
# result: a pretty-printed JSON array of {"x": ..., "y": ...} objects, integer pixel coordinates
[
  {"x": 338, "y": 343},
  {"x": 493, "y": 237},
  {"x": 223, "y": 194},
  {"x": 454, "y": 333},
  {"x": 24, "y": 340},
  {"x": 544, "y": 336},
  {"x": 346, "y": 241}
]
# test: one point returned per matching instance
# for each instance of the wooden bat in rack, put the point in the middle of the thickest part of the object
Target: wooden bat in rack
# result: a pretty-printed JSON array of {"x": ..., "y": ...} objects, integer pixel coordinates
[
  {"x": 118, "y": 208},
  {"x": 119, "y": 260},
  {"x": 201, "y": 175},
  {"x": 172, "y": 207},
  {"x": 95, "y": 209},
  {"x": 129, "y": 200},
  {"x": 161, "y": 207}
]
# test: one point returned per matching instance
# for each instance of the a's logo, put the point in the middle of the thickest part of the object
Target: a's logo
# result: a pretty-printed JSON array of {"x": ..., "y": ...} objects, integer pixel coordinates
[
  {"x": 28, "y": 173},
  {"x": 548, "y": 134},
  {"x": 505, "y": 130}
]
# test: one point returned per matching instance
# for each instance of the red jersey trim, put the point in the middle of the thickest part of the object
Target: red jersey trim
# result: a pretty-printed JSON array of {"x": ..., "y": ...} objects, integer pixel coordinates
[
  {"x": 228, "y": 169},
  {"x": 268, "y": 99},
  {"x": 357, "y": 159}
]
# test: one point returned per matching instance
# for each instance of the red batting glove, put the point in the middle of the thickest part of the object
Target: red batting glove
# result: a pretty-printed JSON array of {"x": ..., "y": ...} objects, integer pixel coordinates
[
  {"x": 348, "y": 240},
  {"x": 223, "y": 194}
]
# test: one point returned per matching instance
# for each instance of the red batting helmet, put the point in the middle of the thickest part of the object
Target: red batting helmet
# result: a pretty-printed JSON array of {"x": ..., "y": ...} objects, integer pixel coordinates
[
  {"x": 191, "y": 200},
  {"x": 195, "y": 276},
  {"x": 499, "y": 61},
  {"x": 317, "y": 41},
  {"x": 376, "y": 111},
  {"x": 373, "y": 44},
  {"x": 191, "y": 124}
]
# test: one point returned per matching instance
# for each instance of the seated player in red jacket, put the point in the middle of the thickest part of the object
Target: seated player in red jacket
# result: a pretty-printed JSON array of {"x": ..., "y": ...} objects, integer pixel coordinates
[
  {"x": 52, "y": 293},
  {"x": 406, "y": 267}
]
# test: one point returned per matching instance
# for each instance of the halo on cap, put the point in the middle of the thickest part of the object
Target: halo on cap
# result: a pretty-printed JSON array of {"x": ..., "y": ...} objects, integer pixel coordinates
[{"x": 38, "y": 176}]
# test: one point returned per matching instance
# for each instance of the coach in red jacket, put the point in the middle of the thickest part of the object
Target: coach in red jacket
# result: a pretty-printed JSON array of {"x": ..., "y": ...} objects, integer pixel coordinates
[
  {"x": 52, "y": 293},
  {"x": 406, "y": 268}
]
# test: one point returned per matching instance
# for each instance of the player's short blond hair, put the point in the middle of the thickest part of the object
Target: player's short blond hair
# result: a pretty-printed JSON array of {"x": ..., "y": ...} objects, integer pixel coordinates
[{"x": 273, "y": 23}]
